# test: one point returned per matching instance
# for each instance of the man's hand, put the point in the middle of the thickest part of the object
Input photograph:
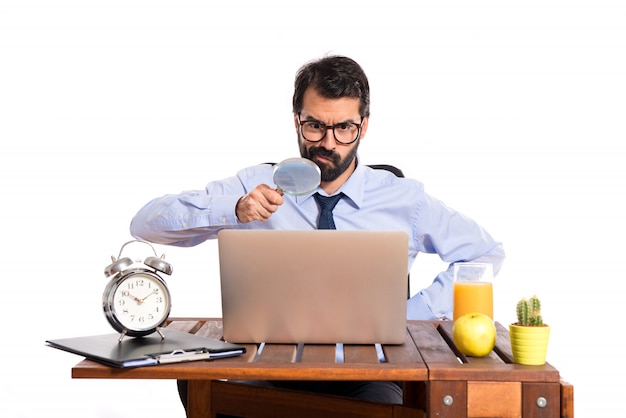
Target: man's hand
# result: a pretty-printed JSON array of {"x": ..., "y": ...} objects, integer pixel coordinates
[{"x": 259, "y": 204}]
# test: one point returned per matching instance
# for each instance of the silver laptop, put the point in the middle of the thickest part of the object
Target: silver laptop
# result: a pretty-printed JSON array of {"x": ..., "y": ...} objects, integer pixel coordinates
[{"x": 320, "y": 286}]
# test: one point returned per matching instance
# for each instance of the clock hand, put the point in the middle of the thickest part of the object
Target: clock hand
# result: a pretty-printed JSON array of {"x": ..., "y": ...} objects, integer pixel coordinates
[
  {"x": 136, "y": 298},
  {"x": 151, "y": 293}
]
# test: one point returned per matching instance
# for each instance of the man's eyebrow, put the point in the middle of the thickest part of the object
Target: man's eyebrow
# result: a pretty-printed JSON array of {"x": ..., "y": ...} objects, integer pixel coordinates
[{"x": 312, "y": 119}]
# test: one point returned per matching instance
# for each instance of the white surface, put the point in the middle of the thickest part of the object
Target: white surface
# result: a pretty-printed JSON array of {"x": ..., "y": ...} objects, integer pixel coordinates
[{"x": 513, "y": 115}]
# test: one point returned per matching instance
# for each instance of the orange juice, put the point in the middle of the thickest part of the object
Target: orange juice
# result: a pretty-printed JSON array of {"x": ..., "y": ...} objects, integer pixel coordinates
[{"x": 473, "y": 296}]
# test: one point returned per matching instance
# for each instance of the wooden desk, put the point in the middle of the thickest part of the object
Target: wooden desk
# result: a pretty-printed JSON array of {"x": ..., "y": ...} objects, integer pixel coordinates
[{"x": 437, "y": 379}]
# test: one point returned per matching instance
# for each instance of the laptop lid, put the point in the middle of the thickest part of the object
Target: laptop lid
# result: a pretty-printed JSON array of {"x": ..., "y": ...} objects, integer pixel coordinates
[{"x": 319, "y": 286}]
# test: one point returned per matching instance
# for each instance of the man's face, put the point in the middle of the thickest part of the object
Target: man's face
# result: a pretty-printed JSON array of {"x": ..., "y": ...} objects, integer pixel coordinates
[{"x": 333, "y": 158}]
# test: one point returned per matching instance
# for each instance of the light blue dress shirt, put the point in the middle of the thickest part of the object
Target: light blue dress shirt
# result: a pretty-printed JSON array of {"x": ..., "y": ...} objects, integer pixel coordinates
[{"x": 375, "y": 200}]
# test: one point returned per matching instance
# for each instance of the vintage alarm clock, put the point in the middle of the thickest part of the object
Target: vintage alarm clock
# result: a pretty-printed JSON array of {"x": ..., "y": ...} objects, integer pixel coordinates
[{"x": 136, "y": 301}]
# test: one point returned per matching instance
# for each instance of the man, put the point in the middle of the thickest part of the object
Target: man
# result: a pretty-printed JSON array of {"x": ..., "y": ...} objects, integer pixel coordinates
[{"x": 331, "y": 116}]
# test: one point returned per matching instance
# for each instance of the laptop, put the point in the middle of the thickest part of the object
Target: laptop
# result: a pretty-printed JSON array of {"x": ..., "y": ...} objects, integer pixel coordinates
[{"x": 317, "y": 286}]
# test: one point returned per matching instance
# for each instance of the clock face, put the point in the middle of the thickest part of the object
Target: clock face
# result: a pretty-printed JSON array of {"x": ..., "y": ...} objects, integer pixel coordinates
[{"x": 138, "y": 303}]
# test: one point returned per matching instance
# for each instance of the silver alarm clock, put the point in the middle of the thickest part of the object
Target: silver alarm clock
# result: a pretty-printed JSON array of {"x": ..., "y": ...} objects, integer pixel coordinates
[{"x": 136, "y": 300}]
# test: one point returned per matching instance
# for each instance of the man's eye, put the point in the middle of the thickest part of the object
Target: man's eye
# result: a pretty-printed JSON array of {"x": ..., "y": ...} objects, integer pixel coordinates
[
  {"x": 343, "y": 126},
  {"x": 314, "y": 125}
]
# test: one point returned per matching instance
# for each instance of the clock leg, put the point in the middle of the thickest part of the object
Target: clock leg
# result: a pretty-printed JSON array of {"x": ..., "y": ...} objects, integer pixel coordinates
[
  {"x": 161, "y": 333},
  {"x": 122, "y": 335}
]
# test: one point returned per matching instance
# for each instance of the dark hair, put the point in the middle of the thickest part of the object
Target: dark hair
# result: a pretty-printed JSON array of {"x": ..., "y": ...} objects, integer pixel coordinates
[{"x": 333, "y": 77}]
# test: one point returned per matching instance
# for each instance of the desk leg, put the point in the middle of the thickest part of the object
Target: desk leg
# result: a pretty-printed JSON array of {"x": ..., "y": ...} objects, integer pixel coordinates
[
  {"x": 415, "y": 395},
  {"x": 447, "y": 399},
  {"x": 199, "y": 399},
  {"x": 567, "y": 400}
]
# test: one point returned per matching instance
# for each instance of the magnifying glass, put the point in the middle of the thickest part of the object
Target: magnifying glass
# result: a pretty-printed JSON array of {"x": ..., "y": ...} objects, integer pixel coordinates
[{"x": 296, "y": 176}]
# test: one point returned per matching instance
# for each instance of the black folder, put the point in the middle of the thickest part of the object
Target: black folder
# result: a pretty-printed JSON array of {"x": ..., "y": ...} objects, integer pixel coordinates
[{"x": 176, "y": 347}]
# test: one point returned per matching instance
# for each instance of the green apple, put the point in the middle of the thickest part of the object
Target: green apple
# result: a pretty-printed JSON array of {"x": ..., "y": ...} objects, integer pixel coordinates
[{"x": 474, "y": 334}]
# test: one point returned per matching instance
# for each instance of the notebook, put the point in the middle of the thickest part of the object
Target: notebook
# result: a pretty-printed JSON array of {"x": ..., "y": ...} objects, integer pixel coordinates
[
  {"x": 319, "y": 286},
  {"x": 176, "y": 347}
]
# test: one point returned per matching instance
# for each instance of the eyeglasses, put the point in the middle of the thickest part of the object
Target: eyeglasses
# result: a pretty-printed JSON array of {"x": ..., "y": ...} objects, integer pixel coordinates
[{"x": 345, "y": 133}]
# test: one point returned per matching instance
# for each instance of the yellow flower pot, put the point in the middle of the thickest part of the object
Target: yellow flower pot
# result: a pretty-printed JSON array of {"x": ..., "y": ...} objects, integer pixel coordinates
[{"x": 529, "y": 344}]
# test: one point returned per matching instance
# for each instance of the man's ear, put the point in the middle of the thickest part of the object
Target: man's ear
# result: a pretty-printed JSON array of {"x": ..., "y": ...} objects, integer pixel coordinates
[
  {"x": 296, "y": 124},
  {"x": 364, "y": 127}
]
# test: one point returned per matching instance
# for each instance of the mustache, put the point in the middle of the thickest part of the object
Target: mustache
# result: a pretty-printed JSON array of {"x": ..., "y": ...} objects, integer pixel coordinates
[{"x": 323, "y": 152}]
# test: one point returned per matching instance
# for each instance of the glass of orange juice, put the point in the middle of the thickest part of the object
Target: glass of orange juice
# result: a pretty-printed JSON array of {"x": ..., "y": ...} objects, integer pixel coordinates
[{"x": 473, "y": 289}]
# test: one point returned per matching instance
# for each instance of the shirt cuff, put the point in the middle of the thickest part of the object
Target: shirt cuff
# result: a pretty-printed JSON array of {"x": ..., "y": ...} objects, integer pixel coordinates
[{"x": 223, "y": 211}]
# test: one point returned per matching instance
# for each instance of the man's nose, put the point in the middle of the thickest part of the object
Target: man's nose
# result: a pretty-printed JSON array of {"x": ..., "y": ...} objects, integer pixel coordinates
[{"x": 328, "y": 142}]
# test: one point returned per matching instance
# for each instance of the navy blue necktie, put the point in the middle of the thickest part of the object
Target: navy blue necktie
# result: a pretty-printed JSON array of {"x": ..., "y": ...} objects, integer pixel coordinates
[{"x": 327, "y": 204}]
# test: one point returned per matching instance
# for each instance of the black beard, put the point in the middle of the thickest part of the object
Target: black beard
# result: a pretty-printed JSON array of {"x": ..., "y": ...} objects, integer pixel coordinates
[{"x": 330, "y": 172}]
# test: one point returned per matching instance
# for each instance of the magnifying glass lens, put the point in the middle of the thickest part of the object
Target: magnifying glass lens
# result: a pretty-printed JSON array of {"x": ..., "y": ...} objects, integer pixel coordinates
[{"x": 297, "y": 176}]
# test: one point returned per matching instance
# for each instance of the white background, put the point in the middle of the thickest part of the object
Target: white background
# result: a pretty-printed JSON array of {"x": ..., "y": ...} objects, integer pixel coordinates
[{"x": 511, "y": 112}]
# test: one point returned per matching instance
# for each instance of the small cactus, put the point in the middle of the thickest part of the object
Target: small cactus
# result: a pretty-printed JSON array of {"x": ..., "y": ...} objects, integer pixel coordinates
[{"x": 529, "y": 312}]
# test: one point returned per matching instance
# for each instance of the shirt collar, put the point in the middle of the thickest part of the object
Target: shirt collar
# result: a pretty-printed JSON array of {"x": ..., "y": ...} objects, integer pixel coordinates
[{"x": 353, "y": 188}]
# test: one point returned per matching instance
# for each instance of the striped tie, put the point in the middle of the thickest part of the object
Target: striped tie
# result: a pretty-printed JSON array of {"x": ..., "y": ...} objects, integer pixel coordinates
[{"x": 326, "y": 204}]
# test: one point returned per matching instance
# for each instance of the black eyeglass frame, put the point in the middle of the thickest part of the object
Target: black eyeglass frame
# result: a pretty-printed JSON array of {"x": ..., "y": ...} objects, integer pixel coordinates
[{"x": 359, "y": 126}]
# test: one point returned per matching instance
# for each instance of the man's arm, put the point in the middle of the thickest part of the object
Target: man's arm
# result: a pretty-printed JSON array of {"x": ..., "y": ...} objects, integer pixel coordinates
[
  {"x": 455, "y": 238},
  {"x": 435, "y": 301},
  {"x": 186, "y": 219},
  {"x": 192, "y": 217}
]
